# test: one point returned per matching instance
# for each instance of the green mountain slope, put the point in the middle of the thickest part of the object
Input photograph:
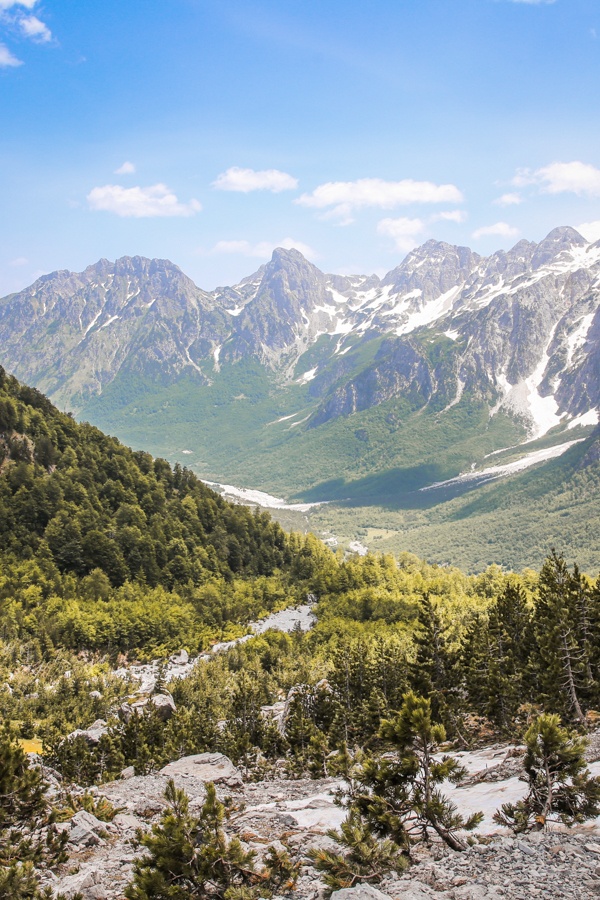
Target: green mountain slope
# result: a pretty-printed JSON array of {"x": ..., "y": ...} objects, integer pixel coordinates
[
  {"x": 370, "y": 467},
  {"x": 104, "y": 547}
]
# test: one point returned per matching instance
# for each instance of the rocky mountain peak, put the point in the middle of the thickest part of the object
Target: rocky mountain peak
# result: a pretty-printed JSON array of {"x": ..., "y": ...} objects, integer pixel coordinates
[{"x": 558, "y": 240}]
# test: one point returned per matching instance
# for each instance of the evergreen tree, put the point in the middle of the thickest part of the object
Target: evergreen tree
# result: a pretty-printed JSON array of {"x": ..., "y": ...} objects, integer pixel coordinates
[
  {"x": 28, "y": 837},
  {"x": 433, "y": 672},
  {"x": 362, "y": 857},
  {"x": 190, "y": 858},
  {"x": 400, "y": 796},
  {"x": 495, "y": 657},
  {"x": 560, "y": 785},
  {"x": 562, "y": 652}
]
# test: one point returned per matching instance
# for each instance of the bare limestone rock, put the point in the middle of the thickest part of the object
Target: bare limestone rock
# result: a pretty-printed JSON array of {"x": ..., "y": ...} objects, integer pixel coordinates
[
  {"x": 164, "y": 704},
  {"x": 92, "y": 734},
  {"x": 206, "y": 767},
  {"x": 360, "y": 892}
]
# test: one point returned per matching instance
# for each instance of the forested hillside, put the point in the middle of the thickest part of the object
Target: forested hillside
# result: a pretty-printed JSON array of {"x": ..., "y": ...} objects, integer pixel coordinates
[
  {"x": 108, "y": 556},
  {"x": 83, "y": 519}
]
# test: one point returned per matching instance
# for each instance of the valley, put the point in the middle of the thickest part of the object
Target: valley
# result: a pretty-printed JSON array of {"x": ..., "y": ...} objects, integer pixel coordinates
[{"x": 380, "y": 400}]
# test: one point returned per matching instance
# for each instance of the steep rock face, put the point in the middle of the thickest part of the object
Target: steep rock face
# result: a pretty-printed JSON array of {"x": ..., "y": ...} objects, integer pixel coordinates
[
  {"x": 433, "y": 269},
  {"x": 286, "y": 313},
  {"x": 519, "y": 329},
  {"x": 71, "y": 334},
  {"x": 401, "y": 371}
]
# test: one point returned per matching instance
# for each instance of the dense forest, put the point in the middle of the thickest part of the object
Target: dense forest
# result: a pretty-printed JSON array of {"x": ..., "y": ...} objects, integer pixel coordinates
[{"x": 108, "y": 556}]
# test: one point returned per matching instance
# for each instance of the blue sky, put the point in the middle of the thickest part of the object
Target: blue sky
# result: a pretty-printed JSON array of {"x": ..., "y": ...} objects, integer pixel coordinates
[{"x": 209, "y": 132}]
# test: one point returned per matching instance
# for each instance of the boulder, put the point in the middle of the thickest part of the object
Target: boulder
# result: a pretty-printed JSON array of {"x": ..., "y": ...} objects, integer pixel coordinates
[
  {"x": 165, "y": 706},
  {"x": 84, "y": 837},
  {"x": 125, "y": 822},
  {"x": 129, "y": 772},
  {"x": 88, "y": 820},
  {"x": 180, "y": 659},
  {"x": 92, "y": 734},
  {"x": 361, "y": 892},
  {"x": 205, "y": 767},
  {"x": 86, "y": 882},
  {"x": 125, "y": 712}
]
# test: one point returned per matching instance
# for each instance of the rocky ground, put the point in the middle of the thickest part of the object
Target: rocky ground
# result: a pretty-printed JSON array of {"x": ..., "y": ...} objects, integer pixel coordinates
[{"x": 297, "y": 814}]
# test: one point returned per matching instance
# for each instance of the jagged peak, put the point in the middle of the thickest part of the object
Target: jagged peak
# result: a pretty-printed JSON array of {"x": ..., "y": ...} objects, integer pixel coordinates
[
  {"x": 283, "y": 254},
  {"x": 558, "y": 240}
]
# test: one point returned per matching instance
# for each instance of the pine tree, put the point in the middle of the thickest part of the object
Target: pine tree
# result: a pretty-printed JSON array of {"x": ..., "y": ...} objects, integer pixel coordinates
[
  {"x": 190, "y": 858},
  {"x": 560, "y": 785},
  {"x": 495, "y": 658},
  {"x": 433, "y": 673},
  {"x": 363, "y": 858},
  {"x": 562, "y": 653},
  {"x": 402, "y": 799},
  {"x": 27, "y": 835}
]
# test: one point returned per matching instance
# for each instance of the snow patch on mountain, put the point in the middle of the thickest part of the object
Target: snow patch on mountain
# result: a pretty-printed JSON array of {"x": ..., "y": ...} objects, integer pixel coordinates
[
  {"x": 519, "y": 465},
  {"x": 259, "y": 498}
]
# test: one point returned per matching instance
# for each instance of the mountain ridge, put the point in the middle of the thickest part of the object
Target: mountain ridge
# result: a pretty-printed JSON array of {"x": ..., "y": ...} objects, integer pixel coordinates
[
  {"x": 327, "y": 387},
  {"x": 159, "y": 323}
]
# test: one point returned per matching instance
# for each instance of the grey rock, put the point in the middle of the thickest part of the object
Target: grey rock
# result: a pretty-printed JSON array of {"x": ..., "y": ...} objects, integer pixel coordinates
[
  {"x": 360, "y": 892},
  {"x": 128, "y": 772},
  {"x": 205, "y": 767},
  {"x": 84, "y": 837},
  {"x": 88, "y": 820},
  {"x": 164, "y": 704},
  {"x": 125, "y": 822},
  {"x": 92, "y": 735}
]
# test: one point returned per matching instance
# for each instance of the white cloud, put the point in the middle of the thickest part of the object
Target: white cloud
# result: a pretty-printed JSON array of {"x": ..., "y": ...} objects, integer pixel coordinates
[
  {"x": 246, "y": 180},
  {"x": 403, "y": 231},
  {"x": 574, "y": 177},
  {"x": 501, "y": 229},
  {"x": 346, "y": 196},
  {"x": 262, "y": 249},
  {"x": 523, "y": 178},
  {"x": 127, "y": 168},
  {"x": 8, "y": 4},
  {"x": 511, "y": 199},
  {"x": 140, "y": 202},
  {"x": 589, "y": 230},
  {"x": 7, "y": 59},
  {"x": 19, "y": 261},
  {"x": 33, "y": 28},
  {"x": 451, "y": 215}
]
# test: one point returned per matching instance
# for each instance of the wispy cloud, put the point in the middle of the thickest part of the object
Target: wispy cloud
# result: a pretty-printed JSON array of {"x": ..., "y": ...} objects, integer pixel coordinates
[
  {"x": 451, "y": 215},
  {"x": 140, "y": 202},
  {"x": 33, "y": 28},
  {"x": 403, "y": 231},
  {"x": 9, "y": 4},
  {"x": 589, "y": 230},
  {"x": 343, "y": 197},
  {"x": 262, "y": 249},
  {"x": 498, "y": 229},
  {"x": 127, "y": 168},
  {"x": 510, "y": 199},
  {"x": 574, "y": 177},
  {"x": 13, "y": 14},
  {"x": 246, "y": 180},
  {"x": 7, "y": 59},
  {"x": 19, "y": 261}
]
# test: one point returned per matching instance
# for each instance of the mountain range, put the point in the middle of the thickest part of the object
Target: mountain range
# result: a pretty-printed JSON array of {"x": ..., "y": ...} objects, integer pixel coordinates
[{"x": 385, "y": 394}]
